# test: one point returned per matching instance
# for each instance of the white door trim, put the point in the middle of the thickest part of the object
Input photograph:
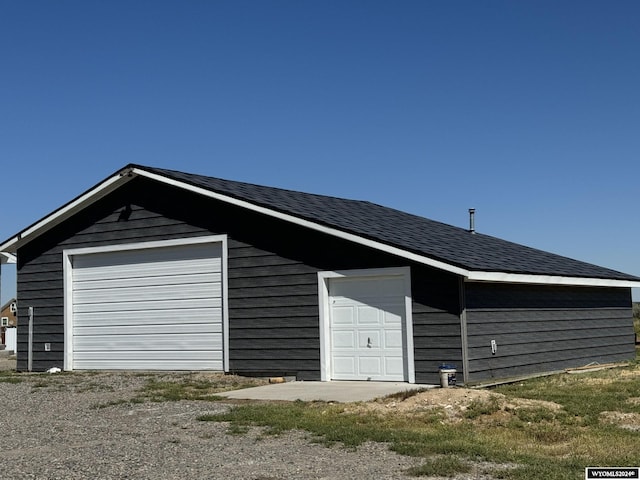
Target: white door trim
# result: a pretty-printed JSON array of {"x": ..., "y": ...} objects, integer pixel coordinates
[
  {"x": 67, "y": 261},
  {"x": 325, "y": 323}
]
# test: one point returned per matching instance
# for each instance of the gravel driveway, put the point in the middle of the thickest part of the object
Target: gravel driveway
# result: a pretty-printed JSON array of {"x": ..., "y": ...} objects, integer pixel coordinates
[{"x": 53, "y": 429}]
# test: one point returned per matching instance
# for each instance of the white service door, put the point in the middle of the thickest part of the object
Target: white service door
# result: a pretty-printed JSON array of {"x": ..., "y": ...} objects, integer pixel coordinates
[
  {"x": 150, "y": 309},
  {"x": 367, "y": 328}
]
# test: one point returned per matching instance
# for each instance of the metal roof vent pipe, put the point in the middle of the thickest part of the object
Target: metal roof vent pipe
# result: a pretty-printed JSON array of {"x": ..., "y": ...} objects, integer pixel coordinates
[{"x": 472, "y": 220}]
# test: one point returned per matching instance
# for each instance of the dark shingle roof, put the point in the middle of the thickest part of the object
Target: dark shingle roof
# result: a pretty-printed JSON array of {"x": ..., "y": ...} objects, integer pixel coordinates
[{"x": 446, "y": 243}]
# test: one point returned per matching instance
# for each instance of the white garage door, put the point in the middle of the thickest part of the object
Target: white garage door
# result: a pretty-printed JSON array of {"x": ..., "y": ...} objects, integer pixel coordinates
[
  {"x": 367, "y": 320},
  {"x": 153, "y": 309}
]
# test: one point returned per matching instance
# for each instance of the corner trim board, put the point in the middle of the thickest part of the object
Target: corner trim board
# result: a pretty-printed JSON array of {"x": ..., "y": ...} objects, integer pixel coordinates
[{"x": 463, "y": 331}]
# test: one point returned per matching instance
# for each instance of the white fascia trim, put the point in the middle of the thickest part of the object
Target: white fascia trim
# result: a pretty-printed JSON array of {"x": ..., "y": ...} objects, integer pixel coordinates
[
  {"x": 57, "y": 217},
  {"x": 6, "y": 257},
  {"x": 307, "y": 223},
  {"x": 325, "y": 309},
  {"x": 548, "y": 280},
  {"x": 67, "y": 261}
]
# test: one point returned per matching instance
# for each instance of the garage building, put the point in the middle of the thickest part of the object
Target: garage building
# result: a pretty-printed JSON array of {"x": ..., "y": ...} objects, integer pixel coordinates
[{"x": 156, "y": 269}]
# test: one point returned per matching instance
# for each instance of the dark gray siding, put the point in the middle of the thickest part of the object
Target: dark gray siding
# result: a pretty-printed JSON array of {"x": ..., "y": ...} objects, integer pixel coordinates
[
  {"x": 436, "y": 324},
  {"x": 272, "y": 279},
  {"x": 545, "y": 328}
]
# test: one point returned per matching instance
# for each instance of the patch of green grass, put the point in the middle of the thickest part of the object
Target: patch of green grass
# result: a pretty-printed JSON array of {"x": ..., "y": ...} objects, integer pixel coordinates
[
  {"x": 183, "y": 389},
  {"x": 191, "y": 387},
  {"x": 584, "y": 395},
  {"x": 6, "y": 379},
  {"x": 535, "y": 414},
  {"x": 9, "y": 376},
  {"x": 331, "y": 424},
  {"x": 479, "y": 407},
  {"x": 440, "y": 467}
]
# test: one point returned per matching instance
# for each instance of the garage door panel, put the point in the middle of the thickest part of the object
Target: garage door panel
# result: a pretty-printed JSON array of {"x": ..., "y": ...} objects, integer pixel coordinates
[
  {"x": 122, "y": 294},
  {"x": 147, "y": 329},
  {"x": 157, "y": 341},
  {"x": 393, "y": 365},
  {"x": 370, "y": 366},
  {"x": 151, "y": 317},
  {"x": 343, "y": 366},
  {"x": 368, "y": 316},
  {"x": 392, "y": 339},
  {"x": 151, "y": 270},
  {"x": 137, "y": 364},
  {"x": 161, "y": 280},
  {"x": 368, "y": 339},
  {"x": 149, "y": 306},
  {"x": 343, "y": 339},
  {"x": 343, "y": 315},
  {"x": 161, "y": 357},
  {"x": 155, "y": 308},
  {"x": 393, "y": 317}
]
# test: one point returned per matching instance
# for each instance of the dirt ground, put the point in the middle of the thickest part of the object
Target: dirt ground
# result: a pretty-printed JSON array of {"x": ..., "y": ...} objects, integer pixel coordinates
[
  {"x": 7, "y": 364},
  {"x": 453, "y": 402}
]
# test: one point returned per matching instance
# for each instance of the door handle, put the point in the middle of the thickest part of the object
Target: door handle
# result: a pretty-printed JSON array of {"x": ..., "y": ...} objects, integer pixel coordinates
[{"x": 368, "y": 342}]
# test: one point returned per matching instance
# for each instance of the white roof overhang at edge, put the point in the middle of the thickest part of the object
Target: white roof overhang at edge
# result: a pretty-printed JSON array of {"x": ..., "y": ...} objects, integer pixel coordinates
[
  {"x": 124, "y": 176},
  {"x": 6, "y": 257}
]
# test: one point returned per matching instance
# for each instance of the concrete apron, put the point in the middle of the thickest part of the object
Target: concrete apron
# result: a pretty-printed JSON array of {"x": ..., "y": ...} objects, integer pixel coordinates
[{"x": 335, "y": 391}]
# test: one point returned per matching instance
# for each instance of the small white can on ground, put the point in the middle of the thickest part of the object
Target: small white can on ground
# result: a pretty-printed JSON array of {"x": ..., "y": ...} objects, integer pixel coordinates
[{"x": 447, "y": 376}]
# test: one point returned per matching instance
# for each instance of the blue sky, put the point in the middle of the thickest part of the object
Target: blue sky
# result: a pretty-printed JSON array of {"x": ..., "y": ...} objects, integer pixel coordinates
[{"x": 528, "y": 111}]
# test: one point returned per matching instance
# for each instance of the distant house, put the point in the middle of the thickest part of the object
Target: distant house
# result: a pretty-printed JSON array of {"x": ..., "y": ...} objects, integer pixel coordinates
[
  {"x": 8, "y": 319},
  {"x": 159, "y": 269}
]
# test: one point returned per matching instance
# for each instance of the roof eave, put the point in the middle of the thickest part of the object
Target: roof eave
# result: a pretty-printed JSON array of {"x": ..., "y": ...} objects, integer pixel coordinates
[{"x": 504, "y": 277}]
